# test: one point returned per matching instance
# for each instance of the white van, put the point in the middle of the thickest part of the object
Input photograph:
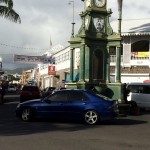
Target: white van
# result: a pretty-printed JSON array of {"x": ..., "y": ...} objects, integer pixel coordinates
[{"x": 140, "y": 94}]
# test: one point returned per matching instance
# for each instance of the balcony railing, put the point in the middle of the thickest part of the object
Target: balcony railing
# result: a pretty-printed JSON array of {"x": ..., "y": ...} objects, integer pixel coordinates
[{"x": 113, "y": 58}]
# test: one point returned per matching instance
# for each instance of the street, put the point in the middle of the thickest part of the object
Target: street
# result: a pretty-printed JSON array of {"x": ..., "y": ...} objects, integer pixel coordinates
[{"x": 126, "y": 133}]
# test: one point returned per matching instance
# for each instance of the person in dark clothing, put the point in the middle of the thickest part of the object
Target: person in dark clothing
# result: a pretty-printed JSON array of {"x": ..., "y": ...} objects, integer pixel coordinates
[
  {"x": 2, "y": 92},
  {"x": 125, "y": 92}
]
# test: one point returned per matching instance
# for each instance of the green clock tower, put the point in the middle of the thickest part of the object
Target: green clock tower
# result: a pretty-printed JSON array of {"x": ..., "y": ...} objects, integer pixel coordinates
[{"x": 95, "y": 38}]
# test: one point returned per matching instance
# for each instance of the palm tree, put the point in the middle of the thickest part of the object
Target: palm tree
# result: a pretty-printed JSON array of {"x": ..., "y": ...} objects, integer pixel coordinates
[{"x": 7, "y": 11}]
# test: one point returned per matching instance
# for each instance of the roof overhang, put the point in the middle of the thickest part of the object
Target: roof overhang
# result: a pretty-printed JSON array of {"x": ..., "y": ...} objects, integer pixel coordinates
[{"x": 134, "y": 33}]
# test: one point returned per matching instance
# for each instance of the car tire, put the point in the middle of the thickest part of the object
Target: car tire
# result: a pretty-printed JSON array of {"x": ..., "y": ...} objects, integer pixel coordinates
[
  {"x": 91, "y": 117},
  {"x": 27, "y": 114},
  {"x": 134, "y": 109}
]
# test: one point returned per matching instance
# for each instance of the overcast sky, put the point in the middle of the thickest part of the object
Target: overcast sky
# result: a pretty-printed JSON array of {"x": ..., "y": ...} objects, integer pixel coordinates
[{"x": 45, "y": 19}]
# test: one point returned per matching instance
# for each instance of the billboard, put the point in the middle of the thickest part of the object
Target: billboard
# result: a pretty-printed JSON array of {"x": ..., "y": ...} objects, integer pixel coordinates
[{"x": 34, "y": 59}]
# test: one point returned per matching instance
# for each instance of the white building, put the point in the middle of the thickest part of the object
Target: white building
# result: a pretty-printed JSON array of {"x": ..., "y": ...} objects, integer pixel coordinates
[
  {"x": 62, "y": 68},
  {"x": 135, "y": 60}
]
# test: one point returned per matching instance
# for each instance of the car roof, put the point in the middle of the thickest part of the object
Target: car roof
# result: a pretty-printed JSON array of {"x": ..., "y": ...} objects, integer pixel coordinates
[
  {"x": 27, "y": 87},
  {"x": 30, "y": 86},
  {"x": 67, "y": 90},
  {"x": 50, "y": 87}
]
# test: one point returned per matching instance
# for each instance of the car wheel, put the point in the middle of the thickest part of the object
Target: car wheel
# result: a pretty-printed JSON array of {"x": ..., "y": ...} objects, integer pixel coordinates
[
  {"x": 134, "y": 108},
  {"x": 91, "y": 117},
  {"x": 27, "y": 114}
]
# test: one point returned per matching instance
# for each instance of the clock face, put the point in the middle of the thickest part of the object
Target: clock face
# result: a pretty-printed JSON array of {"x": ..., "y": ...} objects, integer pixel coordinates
[{"x": 99, "y": 3}]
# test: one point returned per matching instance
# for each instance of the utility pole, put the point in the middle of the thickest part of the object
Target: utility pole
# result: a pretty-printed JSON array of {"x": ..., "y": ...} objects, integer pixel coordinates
[{"x": 118, "y": 49}]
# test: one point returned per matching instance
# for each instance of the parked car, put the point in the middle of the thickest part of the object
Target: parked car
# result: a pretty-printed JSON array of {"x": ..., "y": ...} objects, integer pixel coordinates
[
  {"x": 29, "y": 92},
  {"x": 70, "y": 104},
  {"x": 139, "y": 95},
  {"x": 47, "y": 91},
  {"x": 11, "y": 88}
]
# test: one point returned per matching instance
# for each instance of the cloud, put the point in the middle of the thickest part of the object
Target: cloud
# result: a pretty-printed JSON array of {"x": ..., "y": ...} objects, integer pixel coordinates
[{"x": 52, "y": 18}]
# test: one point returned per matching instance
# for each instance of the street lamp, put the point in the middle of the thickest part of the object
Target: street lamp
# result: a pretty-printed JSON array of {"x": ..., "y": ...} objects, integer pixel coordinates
[
  {"x": 73, "y": 23},
  {"x": 0, "y": 64},
  {"x": 119, "y": 15},
  {"x": 118, "y": 50}
]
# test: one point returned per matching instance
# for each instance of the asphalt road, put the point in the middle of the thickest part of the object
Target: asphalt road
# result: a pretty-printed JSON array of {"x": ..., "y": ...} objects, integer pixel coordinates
[{"x": 127, "y": 133}]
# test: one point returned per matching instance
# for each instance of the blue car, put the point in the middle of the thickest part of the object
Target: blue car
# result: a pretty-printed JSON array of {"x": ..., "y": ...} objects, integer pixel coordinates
[{"x": 70, "y": 104}]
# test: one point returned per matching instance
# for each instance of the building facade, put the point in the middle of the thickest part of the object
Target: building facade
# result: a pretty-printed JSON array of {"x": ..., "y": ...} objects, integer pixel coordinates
[
  {"x": 135, "y": 57},
  {"x": 62, "y": 69}
]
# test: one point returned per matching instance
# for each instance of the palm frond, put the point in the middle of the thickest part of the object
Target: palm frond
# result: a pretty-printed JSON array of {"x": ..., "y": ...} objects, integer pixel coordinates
[
  {"x": 6, "y": 1},
  {"x": 9, "y": 14}
]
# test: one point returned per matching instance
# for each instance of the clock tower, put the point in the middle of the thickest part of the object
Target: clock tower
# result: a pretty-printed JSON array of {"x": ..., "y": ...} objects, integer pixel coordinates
[{"x": 94, "y": 39}]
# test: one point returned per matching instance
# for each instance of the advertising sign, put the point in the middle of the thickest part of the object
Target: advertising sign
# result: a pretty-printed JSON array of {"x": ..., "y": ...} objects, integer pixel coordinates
[
  {"x": 140, "y": 54},
  {"x": 34, "y": 59},
  {"x": 51, "y": 70}
]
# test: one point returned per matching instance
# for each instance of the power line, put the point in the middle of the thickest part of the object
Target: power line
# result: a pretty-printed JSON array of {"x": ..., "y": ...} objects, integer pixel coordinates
[
  {"x": 38, "y": 50},
  {"x": 12, "y": 46}
]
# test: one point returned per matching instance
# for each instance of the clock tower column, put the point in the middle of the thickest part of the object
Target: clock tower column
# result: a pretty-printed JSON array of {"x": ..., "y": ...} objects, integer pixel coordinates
[{"x": 94, "y": 39}]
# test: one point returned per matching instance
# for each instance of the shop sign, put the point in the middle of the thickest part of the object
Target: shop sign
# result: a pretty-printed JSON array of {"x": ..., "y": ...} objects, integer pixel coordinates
[{"x": 51, "y": 70}]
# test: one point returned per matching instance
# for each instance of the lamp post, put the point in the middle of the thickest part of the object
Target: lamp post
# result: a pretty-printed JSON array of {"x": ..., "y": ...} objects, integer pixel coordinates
[
  {"x": 119, "y": 15},
  {"x": 118, "y": 50},
  {"x": 73, "y": 23},
  {"x": 0, "y": 64}
]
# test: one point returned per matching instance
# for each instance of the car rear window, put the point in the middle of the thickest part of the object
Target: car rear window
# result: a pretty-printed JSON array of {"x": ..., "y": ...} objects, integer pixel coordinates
[
  {"x": 99, "y": 95},
  {"x": 11, "y": 86},
  {"x": 30, "y": 88}
]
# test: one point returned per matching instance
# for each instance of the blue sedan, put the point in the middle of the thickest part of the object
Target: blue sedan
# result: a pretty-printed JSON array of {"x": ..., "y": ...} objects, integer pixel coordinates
[{"x": 70, "y": 104}]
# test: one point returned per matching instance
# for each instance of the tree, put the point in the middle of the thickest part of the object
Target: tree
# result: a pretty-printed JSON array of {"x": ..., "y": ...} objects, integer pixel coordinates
[{"x": 7, "y": 11}]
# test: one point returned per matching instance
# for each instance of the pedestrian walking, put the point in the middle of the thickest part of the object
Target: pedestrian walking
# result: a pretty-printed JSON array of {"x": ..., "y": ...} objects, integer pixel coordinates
[{"x": 2, "y": 92}]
